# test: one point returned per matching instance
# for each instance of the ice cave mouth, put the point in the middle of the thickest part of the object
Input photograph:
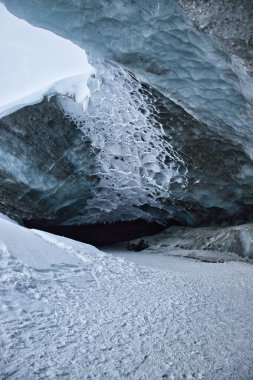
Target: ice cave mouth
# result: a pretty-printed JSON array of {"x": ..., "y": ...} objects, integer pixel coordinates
[
  {"x": 100, "y": 234},
  {"x": 166, "y": 133}
]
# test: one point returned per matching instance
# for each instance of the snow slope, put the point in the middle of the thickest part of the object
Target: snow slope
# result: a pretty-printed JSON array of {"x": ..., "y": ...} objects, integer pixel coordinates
[
  {"x": 35, "y": 62},
  {"x": 69, "y": 311}
]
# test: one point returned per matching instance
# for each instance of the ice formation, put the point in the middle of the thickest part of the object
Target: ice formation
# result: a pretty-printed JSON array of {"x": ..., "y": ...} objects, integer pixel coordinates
[
  {"x": 136, "y": 162},
  {"x": 167, "y": 133},
  {"x": 160, "y": 46},
  {"x": 35, "y": 62},
  {"x": 88, "y": 168}
]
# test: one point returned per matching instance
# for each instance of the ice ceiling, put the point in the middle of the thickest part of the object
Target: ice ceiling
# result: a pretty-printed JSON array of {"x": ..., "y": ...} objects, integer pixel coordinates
[{"x": 167, "y": 133}]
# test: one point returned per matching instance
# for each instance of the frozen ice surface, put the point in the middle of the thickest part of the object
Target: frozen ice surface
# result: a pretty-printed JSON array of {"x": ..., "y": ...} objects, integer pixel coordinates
[
  {"x": 135, "y": 162},
  {"x": 35, "y": 62},
  {"x": 114, "y": 162},
  {"x": 70, "y": 311},
  {"x": 162, "y": 48}
]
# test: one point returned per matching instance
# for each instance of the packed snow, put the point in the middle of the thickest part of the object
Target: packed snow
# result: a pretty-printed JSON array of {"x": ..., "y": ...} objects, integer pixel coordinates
[
  {"x": 35, "y": 62},
  {"x": 70, "y": 311}
]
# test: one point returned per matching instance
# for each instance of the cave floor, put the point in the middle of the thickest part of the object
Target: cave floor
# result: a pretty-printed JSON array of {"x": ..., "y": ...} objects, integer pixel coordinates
[{"x": 70, "y": 311}]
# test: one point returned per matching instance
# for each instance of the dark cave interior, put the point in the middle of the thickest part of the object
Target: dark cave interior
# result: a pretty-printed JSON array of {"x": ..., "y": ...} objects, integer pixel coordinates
[{"x": 100, "y": 234}]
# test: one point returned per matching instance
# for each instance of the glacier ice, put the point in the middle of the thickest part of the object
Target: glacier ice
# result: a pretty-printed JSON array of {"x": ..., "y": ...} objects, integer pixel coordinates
[
  {"x": 161, "y": 47},
  {"x": 131, "y": 174},
  {"x": 227, "y": 23},
  {"x": 161, "y": 80},
  {"x": 88, "y": 168}
]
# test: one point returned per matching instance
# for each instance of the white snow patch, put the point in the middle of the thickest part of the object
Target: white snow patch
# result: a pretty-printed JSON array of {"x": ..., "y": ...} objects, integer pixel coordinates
[
  {"x": 35, "y": 62},
  {"x": 5, "y": 217}
]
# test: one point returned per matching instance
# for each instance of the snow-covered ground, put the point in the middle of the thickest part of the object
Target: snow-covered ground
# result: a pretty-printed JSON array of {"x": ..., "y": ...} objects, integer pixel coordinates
[
  {"x": 36, "y": 62},
  {"x": 69, "y": 311}
]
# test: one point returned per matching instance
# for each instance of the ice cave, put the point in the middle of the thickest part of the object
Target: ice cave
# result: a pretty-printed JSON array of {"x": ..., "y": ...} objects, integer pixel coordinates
[{"x": 123, "y": 120}]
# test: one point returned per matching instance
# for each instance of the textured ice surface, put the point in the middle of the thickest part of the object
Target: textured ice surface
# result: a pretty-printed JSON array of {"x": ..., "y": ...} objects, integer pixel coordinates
[
  {"x": 62, "y": 179},
  {"x": 117, "y": 162},
  {"x": 136, "y": 162},
  {"x": 159, "y": 45},
  {"x": 228, "y": 23},
  {"x": 112, "y": 162},
  {"x": 35, "y": 62}
]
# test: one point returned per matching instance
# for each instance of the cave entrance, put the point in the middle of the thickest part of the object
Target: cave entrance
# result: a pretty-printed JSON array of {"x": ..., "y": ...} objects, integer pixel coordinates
[{"x": 99, "y": 234}]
